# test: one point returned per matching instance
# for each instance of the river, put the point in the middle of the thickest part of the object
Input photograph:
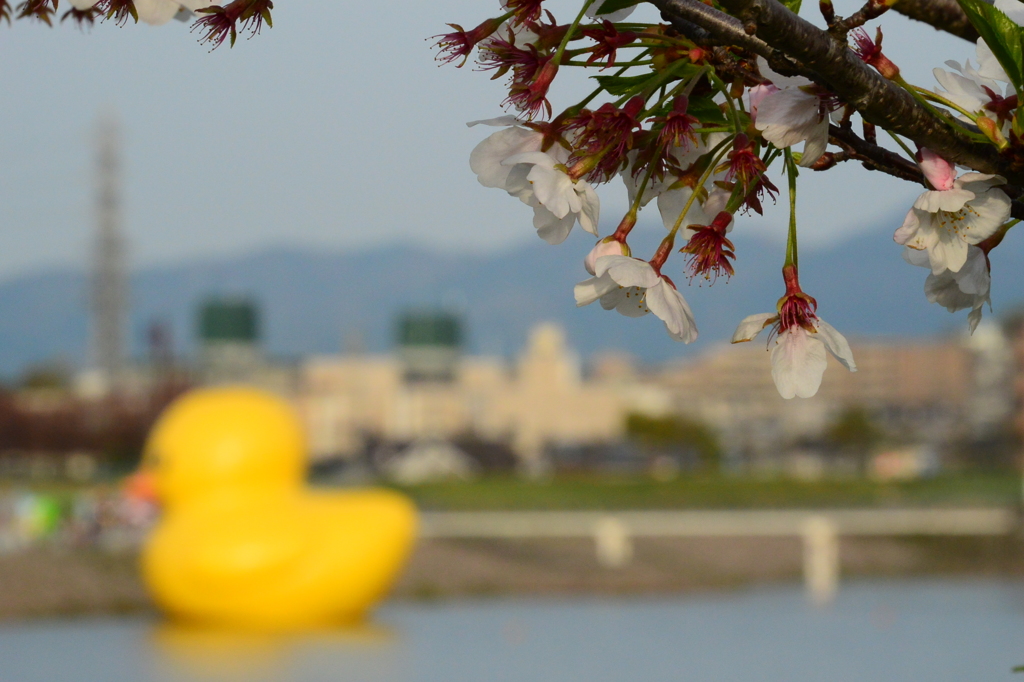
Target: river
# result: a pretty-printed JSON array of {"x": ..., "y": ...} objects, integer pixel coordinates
[{"x": 876, "y": 631}]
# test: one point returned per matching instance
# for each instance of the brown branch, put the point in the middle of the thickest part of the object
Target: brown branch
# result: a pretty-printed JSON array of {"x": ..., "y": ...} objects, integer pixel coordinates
[
  {"x": 717, "y": 27},
  {"x": 874, "y": 156},
  {"x": 943, "y": 15},
  {"x": 877, "y": 100}
]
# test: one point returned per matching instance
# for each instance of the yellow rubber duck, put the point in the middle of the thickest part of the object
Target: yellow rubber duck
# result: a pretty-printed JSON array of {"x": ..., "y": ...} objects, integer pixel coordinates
[{"x": 240, "y": 541}]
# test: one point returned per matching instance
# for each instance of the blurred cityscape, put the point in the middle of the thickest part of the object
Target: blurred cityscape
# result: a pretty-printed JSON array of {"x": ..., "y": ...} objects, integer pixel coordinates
[{"x": 432, "y": 410}]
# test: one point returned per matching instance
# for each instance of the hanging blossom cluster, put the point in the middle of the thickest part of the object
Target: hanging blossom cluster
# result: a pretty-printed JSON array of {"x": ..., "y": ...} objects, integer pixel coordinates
[
  {"x": 215, "y": 23},
  {"x": 684, "y": 118}
]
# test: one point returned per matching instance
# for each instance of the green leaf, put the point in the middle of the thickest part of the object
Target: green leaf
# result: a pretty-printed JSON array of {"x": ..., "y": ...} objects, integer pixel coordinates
[
  {"x": 1003, "y": 36},
  {"x": 792, "y": 5},
  {"x": 620, "y": 85},
  {"x": 705, "y": 109},
  {"x": 610, "y": 6},
  {"x": 1019, "y": 669}
]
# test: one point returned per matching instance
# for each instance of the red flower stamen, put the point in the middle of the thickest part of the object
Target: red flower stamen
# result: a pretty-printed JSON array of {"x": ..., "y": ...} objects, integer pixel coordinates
[
  {"x": 524, "y": 11},
  {"x": 606, "y": 136},
  {"x": 796, "y": 309},
  {"x": 223, "y": 22},
  {"x": 532, "y": 97},
  {"x": 82, "y": 17},
  {"x": 746, "y": 168},
  {"x": 678, "y": 126},
  {"x": 870, "y": 52},
  {"x": 502, "y": 55},
  {"x": 39, "y": 9},
  {"x": 1002, "y": 107},
  {"x": 608, "y": 40},
  {"x": 5, "y": 11},
  {"x": 118, "y": 10},
  {"x": 710, "y": 250}
]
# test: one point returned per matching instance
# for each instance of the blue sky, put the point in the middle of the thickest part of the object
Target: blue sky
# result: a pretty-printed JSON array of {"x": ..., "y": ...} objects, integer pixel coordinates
[{"x": 335, "y": 129}]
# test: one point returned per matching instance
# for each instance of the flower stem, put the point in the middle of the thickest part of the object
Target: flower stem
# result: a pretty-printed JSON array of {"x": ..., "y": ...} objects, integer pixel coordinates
[
  {"x": 792, "y": 255},
  {"x": 572, "y": 29},
  {"x": 717, "y": 154},
  {"x": 928, "y": 94},
  {"x": 901, "y": 143}
]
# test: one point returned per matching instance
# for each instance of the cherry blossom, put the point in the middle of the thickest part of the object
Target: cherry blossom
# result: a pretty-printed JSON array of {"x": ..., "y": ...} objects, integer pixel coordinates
[
  {"x": 634, "y": 287},
  {"x": 801, "y": 340},
  {"x": 792, "y": 113},
  {"x": 966, "y": 87},
  {"x": 486, "y": 159},
  {"x": 968, "y": 288},
  {"x": 557, "y": 199},
  {"x": 957, "y": 213}
]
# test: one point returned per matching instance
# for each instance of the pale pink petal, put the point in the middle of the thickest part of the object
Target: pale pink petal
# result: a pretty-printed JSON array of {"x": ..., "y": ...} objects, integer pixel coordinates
[
  {"x": 604, "y": 247},
  {"x": 798, "y": 363},
  {"x": 939, "y": 172}
]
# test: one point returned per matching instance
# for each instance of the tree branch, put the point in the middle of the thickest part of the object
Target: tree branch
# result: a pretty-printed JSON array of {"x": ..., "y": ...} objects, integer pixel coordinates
[
  {"x": 874, "y": 156},
  {"x": 943, "y": 15},
  {"x": 879, "y": 101},
  {"x": 718, "y": 27}
]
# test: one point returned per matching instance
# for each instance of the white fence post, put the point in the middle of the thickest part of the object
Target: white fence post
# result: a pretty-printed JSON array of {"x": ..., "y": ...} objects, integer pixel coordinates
[
  {"x": 613, "y": 543},
  {"x": 821, "y": 558}
]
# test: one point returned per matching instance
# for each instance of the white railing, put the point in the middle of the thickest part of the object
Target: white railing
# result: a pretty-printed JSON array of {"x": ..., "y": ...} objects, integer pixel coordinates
[{"x": 613, "y": 532}]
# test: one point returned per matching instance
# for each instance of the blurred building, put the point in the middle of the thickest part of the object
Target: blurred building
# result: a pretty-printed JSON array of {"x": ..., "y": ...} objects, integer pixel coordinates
[
  {"x": 925, "y": 389},
  {"x": 927, "y": 392},
  {"x": 429, "y": 392},
  {"x": 230, "y": 349}
]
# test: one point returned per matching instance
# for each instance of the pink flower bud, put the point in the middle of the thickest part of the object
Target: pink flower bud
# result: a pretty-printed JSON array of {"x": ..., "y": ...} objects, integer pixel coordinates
[
  {"x": 939, "y": 172},
  {"x": 609, "y": 246}
]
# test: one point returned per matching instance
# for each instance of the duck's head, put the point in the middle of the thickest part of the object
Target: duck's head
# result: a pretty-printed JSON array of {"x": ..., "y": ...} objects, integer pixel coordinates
[{"x": 224, "y": 439}]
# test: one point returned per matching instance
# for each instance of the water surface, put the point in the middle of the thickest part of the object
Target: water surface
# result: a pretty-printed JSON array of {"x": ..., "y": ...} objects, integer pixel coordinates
[{"x": 932, "y": 631}]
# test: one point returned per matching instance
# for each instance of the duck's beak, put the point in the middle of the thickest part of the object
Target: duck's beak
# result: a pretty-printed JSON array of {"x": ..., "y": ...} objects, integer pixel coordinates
[{"x": 141, "y": 486}]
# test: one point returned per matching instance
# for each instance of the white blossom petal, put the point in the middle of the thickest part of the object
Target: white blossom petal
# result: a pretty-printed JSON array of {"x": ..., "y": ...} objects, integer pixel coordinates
[
  {"x": 156, "y": 12},
  {"x": 506, "y": 120},
  {"x": 590, "y": 206},
  {"x": 836, "y": 344},
  {"x": 628, "y": 301},
  {"x": 751, "y": 326},
  {"x": 550, "y": 227},
  {"x": 816, "y": 144},
  {"x": 798, "y": 363},
  {"x": 486, "y": 159},
  {"x": 617, "y": 15},
  {"x": 949, "y": 200},
  {"x": 628, "y": 272},
  {"x": 666, "y": 302},
  {"x": 789, "y": 116},
  {"x": 589, "y": 290}
]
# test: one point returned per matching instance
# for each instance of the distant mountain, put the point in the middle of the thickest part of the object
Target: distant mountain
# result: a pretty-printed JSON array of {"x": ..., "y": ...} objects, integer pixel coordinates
[{"x": 312, "y": 300}]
